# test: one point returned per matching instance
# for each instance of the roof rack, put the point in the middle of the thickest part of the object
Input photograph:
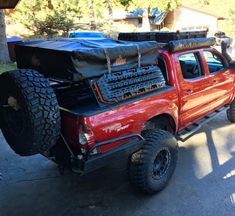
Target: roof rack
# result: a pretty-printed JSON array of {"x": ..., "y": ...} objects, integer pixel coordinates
[
  {"x": 173, "y": 41},
  {"x": 161, "y": 37}
]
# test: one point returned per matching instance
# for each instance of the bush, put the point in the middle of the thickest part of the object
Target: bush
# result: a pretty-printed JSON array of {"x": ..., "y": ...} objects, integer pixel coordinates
[
  {"x": 47, "y": 18},
  {"x": 54, "y": 25}
]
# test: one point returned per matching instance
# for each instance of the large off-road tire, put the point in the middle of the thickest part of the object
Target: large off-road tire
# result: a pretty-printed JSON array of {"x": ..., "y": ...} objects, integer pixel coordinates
[
  {"x": 29, "y": 112},
  {"x": 231, "y": 112},
  {"x": 151, "y": 168}
]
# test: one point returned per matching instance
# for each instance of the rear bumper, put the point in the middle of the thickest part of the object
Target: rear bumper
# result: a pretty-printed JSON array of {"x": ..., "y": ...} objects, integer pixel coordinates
[{"x": 100, "y": 160}]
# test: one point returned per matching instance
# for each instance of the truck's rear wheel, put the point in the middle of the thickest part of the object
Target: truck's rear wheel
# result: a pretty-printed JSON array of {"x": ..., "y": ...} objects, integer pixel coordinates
[
  {"x": 151, "y": 168},
  {"x": 29, "y": 111}
]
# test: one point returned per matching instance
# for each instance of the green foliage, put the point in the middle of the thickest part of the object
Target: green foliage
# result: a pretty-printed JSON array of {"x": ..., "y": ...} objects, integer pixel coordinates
[
  {"x": 147, "y": 5},
  {"x": 162, "y": 5},
  {"x": 56, "y": 24},
  {"x": 47, "y": 17},
  {"x": 125, "y": 3}
]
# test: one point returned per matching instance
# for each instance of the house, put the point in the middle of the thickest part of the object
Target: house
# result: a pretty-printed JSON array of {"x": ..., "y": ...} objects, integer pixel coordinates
[{"x": 182, "y": 18}]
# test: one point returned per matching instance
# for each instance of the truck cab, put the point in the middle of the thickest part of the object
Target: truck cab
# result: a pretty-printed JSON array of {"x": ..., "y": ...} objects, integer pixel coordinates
[{"x": 204, "y": 81}]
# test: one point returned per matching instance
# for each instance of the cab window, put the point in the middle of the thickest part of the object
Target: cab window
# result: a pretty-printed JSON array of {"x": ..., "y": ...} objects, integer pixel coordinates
[
  {"x": 191, "y": 65},
  {"x": 214, "y": 61}
]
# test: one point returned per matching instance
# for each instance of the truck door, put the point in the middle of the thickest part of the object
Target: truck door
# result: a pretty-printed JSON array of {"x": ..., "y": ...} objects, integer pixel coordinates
[
  {"x": 194, "y": 84},
  {"x": 221, "y": 78}
]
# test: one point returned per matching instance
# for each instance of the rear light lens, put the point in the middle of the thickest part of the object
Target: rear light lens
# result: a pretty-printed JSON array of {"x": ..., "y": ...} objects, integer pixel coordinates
[
  {"x": 86, "y": 136},
  {"x": 83, "y": 140}
]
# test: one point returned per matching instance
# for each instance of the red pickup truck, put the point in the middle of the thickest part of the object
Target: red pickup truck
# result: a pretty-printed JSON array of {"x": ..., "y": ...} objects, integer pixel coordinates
[{"x": 139, "y": 112}]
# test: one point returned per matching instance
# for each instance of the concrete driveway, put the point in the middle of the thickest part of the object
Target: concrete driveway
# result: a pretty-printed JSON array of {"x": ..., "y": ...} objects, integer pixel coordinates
[{"x": 203, "y": 184}]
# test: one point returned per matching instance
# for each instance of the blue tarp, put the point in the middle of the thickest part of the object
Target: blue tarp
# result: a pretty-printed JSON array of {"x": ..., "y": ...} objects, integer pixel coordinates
[
  {"x": 13, "y": 40},
  {"x": 76, "y": 44},
  {"x": 76, "y": 34}
]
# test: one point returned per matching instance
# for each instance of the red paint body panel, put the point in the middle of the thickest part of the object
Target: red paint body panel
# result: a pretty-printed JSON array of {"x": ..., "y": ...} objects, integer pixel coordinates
[
  {"x": 186, "y": 102},
  {"x": 131, "y": 118}
]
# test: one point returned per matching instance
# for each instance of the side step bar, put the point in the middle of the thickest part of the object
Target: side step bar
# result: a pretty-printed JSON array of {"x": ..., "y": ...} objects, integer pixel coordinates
[{"x": 187, "y": 132}]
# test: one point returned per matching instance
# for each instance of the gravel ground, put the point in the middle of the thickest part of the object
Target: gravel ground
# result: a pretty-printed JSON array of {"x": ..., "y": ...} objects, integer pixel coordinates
[{"x": 203, "y": 183}]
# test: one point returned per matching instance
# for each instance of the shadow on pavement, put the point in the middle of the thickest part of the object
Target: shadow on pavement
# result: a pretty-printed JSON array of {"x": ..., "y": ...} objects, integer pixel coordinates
[{"x": 42, "y": 191}]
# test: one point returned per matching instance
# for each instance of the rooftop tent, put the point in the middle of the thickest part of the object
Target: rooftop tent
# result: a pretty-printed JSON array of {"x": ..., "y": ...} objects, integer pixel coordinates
[
  {"x": 75, "y": 59},
  {"x": 5, "y": 4}
]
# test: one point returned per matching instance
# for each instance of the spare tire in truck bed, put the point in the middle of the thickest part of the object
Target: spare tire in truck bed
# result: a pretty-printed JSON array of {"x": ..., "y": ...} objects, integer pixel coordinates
[{"x": 29, "y": 112}]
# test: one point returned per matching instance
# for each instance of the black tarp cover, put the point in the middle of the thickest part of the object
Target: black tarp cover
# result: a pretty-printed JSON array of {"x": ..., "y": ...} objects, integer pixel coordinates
[
  {"x": 77, "y": 59},
  {"x": 184, "y": 44}
]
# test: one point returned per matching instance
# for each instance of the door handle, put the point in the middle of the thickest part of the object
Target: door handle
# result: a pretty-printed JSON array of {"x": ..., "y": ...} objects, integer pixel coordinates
[
  {"x": 189, "y": 92},
  {"x": 215, "y": 81}
]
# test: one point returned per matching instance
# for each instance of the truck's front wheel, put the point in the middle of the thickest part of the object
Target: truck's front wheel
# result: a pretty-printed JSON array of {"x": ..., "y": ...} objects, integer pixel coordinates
[{"x": 151, "y": 168}]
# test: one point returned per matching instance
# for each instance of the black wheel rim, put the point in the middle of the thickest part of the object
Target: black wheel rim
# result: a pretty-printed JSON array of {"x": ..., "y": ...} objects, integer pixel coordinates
[{"x": 161, "y": 163}]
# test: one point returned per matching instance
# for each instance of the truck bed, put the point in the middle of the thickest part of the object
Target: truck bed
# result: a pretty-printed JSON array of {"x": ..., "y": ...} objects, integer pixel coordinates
[{"x": 91, "y": 107}]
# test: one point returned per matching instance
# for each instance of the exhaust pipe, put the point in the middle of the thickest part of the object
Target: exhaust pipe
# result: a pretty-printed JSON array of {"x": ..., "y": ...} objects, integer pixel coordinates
[{"x": 224, "y": 46}]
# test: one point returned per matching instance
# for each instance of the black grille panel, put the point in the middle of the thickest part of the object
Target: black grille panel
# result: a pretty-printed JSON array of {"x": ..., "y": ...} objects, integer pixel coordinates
[{"x": 116, "y": 87}]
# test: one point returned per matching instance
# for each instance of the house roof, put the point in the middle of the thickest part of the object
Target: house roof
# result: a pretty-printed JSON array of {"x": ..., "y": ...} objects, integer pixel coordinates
[
  {"x": 157, "y": 17},
  {"x": 135, "y": 14},
  {"x": 4, "y": 4}
]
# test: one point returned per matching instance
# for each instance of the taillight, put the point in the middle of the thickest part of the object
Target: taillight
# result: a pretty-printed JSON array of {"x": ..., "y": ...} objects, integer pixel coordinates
[
  {"x": 86, "y": 136},
  {"x": 83, "y": 139}
]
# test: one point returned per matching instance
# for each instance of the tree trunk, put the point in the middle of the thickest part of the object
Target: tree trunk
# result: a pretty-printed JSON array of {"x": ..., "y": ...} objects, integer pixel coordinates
[
  {"x": 146, "y": 23},
  {"x": 92, "y": 15},
  {"x": 4, "y": 55},
  {"x": 110, "y": 9}
]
